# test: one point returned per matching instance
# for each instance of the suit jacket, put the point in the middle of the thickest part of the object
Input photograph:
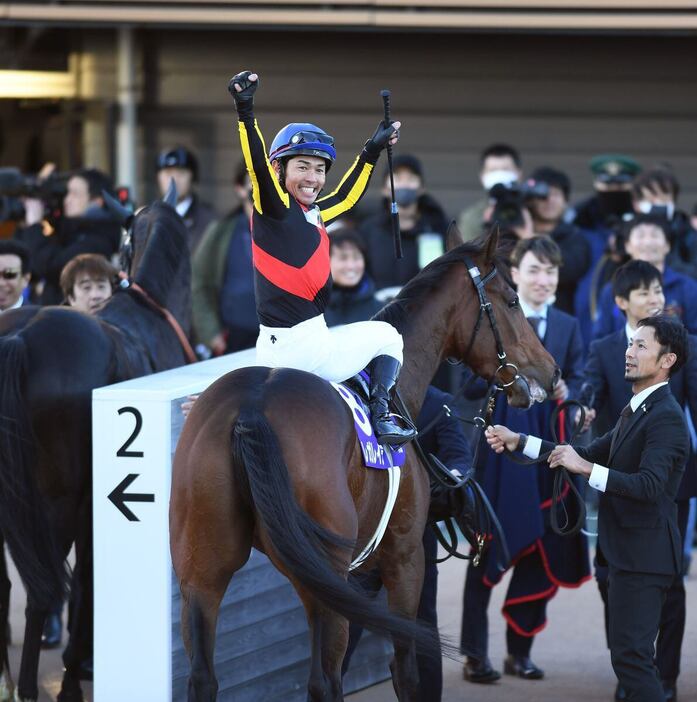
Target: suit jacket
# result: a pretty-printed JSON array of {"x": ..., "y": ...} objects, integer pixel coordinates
[
  {"x": 637, "y": 518},
  {"x": 519, "y": 495},
  {"x": 605, "y": 373}
]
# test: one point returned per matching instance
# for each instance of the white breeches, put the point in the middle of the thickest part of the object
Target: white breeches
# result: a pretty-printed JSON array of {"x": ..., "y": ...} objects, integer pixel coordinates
[{"x": 334, "y": 354}]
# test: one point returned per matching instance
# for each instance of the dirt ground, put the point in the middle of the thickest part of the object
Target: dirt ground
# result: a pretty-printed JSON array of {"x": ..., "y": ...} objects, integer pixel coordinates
[{"x": 571, "y": 649}]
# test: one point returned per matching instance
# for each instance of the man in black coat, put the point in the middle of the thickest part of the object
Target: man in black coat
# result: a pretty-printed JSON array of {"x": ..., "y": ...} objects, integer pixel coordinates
[
  {"x": 637, "y": 468},
  {"x": 638, "y": 293}
]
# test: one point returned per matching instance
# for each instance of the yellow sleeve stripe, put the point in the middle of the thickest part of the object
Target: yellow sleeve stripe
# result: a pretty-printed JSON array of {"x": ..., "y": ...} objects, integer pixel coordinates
[
  {"x": 353, "y": 196},
  {"x": 246, "y": 152}
]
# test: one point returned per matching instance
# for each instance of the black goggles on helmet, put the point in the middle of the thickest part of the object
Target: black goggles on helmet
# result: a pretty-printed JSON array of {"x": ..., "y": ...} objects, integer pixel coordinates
[{"x": 311, "y": 138}]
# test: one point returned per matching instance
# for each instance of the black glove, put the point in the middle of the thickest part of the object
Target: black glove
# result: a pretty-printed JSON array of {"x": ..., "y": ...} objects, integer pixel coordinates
[
  {"x": 379, "y": 140},
  {"x": 244, "y": 99}
]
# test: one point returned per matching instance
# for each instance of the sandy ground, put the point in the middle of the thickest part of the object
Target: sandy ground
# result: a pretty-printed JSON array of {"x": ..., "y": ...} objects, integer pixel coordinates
[{"x": 571, "y": 650}]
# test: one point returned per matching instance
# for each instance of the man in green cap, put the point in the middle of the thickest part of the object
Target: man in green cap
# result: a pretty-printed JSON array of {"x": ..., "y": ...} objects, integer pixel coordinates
[{"x": 612, "y": 181}]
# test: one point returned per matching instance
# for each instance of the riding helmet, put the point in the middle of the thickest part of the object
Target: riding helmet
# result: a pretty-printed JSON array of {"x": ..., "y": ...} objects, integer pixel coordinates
[{"x": 302, "y": 138}]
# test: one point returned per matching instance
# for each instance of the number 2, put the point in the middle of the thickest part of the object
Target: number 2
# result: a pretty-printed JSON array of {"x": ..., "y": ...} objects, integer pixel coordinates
[{"x": 123, "y": 452}]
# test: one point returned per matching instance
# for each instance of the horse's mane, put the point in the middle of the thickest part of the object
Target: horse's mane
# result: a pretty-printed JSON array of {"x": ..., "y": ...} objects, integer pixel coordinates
[
  {"x": 164, "y": 270},
  {"x": 431, "y": 277}
]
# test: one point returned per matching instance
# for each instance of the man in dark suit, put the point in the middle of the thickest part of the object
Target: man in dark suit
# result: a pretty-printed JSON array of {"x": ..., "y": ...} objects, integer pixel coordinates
[
  {"x": 637, "y": 468},
  {"x": 522, "y": 499},
  {"x": 637, "y": 289}
]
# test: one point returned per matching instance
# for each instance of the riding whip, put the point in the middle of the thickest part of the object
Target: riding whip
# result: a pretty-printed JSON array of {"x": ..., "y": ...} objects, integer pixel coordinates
[{"x": 394, "y": 211}]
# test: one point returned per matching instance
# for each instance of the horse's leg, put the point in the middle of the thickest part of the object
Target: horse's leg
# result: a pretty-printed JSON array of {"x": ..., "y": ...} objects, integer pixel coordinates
[
  {"x": 329, "y": 638},
  {"x": 81, "y": 622},
  {"x": 211, "y": 531},
  {"x": 6, "y": 684},
  {"x": 27, "y": 686}
]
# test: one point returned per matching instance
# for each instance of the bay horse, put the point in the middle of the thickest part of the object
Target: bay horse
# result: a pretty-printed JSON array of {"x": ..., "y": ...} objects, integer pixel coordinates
[
  {"x": 51, "y": 359},
  {"x": 269, "y": 458}
]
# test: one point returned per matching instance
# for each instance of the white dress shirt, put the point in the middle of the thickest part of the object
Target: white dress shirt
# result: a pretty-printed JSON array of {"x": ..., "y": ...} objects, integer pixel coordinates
[
  {"x": 599, "y": 474},
  {"x": 541, "y": 313}
]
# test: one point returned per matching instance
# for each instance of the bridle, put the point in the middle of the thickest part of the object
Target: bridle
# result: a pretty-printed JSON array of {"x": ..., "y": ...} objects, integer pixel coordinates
[{"x": 485, "y": 306}]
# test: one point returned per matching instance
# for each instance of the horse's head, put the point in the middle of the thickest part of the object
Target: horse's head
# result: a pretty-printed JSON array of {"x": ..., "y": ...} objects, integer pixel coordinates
[
  {"x": 491, "y": 333},
  {"x": 155, "y": 254}
]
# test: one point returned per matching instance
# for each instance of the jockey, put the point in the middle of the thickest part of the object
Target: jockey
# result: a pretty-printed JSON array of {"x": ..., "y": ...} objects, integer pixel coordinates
[{"x": 291, "y": 257}]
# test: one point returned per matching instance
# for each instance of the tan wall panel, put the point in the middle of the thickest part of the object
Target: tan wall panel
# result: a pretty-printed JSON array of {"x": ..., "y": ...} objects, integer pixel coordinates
[{"x": 559, "y": 99}]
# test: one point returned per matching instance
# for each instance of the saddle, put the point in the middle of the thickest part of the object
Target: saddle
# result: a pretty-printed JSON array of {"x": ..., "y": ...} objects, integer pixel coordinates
[{"x": 356, "y": 393}]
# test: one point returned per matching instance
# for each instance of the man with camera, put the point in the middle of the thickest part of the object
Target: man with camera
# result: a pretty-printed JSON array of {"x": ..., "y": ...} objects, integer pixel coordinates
[
  {"x": 548, "y": 216},
  {"x": 82, "y": 225},
  {"x": 499, "y": 164}
]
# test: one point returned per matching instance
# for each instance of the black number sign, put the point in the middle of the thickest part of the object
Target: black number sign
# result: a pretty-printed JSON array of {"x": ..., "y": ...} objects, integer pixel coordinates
[{"x": 123, "y": 452}]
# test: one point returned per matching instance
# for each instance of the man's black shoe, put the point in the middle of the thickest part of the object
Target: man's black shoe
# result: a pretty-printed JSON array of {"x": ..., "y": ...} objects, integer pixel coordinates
[
  {"x": 476, "y": 671},
  {"x": 670, "y": 691},
  {"x": 53, "y": 632},
  {"x": 523, "y": 667},
  {"x": 620, "y": 693},
  {"x": 87, "y": 669}
]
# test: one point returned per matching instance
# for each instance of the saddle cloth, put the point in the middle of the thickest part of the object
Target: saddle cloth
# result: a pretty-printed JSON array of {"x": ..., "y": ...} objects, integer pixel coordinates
[{"x": 375, "y": 455}]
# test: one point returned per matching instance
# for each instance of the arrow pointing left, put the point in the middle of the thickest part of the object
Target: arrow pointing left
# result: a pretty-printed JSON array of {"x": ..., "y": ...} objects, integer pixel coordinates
[{"x": 119, "y": 497}]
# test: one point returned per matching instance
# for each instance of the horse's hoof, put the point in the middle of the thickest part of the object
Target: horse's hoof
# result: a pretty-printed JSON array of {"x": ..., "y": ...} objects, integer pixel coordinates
[{"x": 17, "y": 698}]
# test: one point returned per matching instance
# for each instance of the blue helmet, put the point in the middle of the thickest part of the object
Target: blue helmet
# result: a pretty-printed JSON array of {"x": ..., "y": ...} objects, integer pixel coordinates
[{"x": 301, "y": 138}]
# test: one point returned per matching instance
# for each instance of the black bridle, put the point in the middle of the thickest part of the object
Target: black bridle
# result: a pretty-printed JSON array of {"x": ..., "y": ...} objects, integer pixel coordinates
[{"x": 485, "y": 307}]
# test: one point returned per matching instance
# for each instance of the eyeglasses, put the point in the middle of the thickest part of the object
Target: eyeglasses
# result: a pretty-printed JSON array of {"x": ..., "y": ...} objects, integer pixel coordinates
[
  {"x": 10, "y": 274},
  {"x": 311, "y": 137}
]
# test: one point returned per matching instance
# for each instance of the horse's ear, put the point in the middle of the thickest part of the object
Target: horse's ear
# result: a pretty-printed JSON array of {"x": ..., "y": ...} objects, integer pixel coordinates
[
  {"x": 453, "y": 238},
  {"x": 491, "y": 243},
  {"x": 120, "y": 213},
  {"x": 171, "y": 197}
]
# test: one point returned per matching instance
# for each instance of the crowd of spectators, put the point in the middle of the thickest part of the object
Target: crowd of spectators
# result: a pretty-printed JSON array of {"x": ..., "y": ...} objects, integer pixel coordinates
[{"x": 586, "y": 272}]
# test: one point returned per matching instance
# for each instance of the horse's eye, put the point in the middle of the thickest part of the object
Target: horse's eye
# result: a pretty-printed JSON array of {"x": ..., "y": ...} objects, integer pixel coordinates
[{"x": 514, "y": 303}]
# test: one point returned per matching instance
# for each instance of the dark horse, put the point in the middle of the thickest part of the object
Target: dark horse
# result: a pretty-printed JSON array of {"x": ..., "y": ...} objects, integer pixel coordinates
[
  {"x": 269, "y": 458},
  {"x": 50, "y": 361}
]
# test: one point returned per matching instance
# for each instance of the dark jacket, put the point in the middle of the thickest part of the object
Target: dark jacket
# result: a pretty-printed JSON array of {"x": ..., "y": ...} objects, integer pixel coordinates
[
  {"x": 197, "y": 219},
  {"x": 577, "y": 257},
  {"x": 681, "y": 298},
  {"x": 377, "y": 231},
  {"x": 605, "y": 373},
  {"x": 72, "y": 236},
  {"x": 347, "y": 305},
  {"x": 446, "y": 439},
  {"x": 637, "y": 517}
]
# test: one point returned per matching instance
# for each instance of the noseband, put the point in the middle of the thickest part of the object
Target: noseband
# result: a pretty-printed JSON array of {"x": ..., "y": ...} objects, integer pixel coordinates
[{"x": 485, "y": 306}]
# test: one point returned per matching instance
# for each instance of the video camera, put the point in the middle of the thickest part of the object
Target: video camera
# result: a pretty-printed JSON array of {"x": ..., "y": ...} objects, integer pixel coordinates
[
  {"x": 14, "y": 185},
  {"x": 510, "y": 198}
]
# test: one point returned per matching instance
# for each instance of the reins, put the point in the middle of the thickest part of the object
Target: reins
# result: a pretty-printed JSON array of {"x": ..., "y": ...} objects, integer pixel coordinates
[{"x": 171, "y": 319}]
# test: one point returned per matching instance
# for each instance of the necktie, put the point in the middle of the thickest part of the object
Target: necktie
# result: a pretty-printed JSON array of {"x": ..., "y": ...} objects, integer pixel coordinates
[
  {"x": 626, "y": 413},
  {"x": 535, "y": 323}
]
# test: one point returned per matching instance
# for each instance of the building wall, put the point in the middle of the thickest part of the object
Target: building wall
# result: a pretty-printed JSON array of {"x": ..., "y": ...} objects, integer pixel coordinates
[{"x": 560, "y": 99}]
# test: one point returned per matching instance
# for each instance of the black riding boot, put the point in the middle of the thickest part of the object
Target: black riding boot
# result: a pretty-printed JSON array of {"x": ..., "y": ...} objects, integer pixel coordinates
[{"x": 384, "y": 371}]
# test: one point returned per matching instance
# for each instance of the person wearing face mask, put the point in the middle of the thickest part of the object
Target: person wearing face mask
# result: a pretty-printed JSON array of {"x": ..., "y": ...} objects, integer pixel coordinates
[
  {"x": 422, "y": 223},
  {"x": 222, "y": 288},
  {"x": 647, "y": 238},
  {"x": 353, "y": 293},
  {"x": 638, "y": 290},
  {"x": 655, "y": 192},
  {"x": 499, "y": 164},
  {"x": 290, "y": 249}
]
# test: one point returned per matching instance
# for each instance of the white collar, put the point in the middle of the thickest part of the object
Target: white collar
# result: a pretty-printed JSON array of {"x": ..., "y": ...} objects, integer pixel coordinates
[
  {"x": 182, "y": 207},
  {"x": 641, "y": 397},
  {"x": 17, "y": 304},
  {"x": 530, "y": 312},
  {"x": 629, "y": 332}
]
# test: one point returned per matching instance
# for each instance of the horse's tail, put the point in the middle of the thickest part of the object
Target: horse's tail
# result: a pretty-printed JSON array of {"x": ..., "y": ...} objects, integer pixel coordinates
[
  {"x": 304, "y": 546},
  {"x": 23, "y": 518}
]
